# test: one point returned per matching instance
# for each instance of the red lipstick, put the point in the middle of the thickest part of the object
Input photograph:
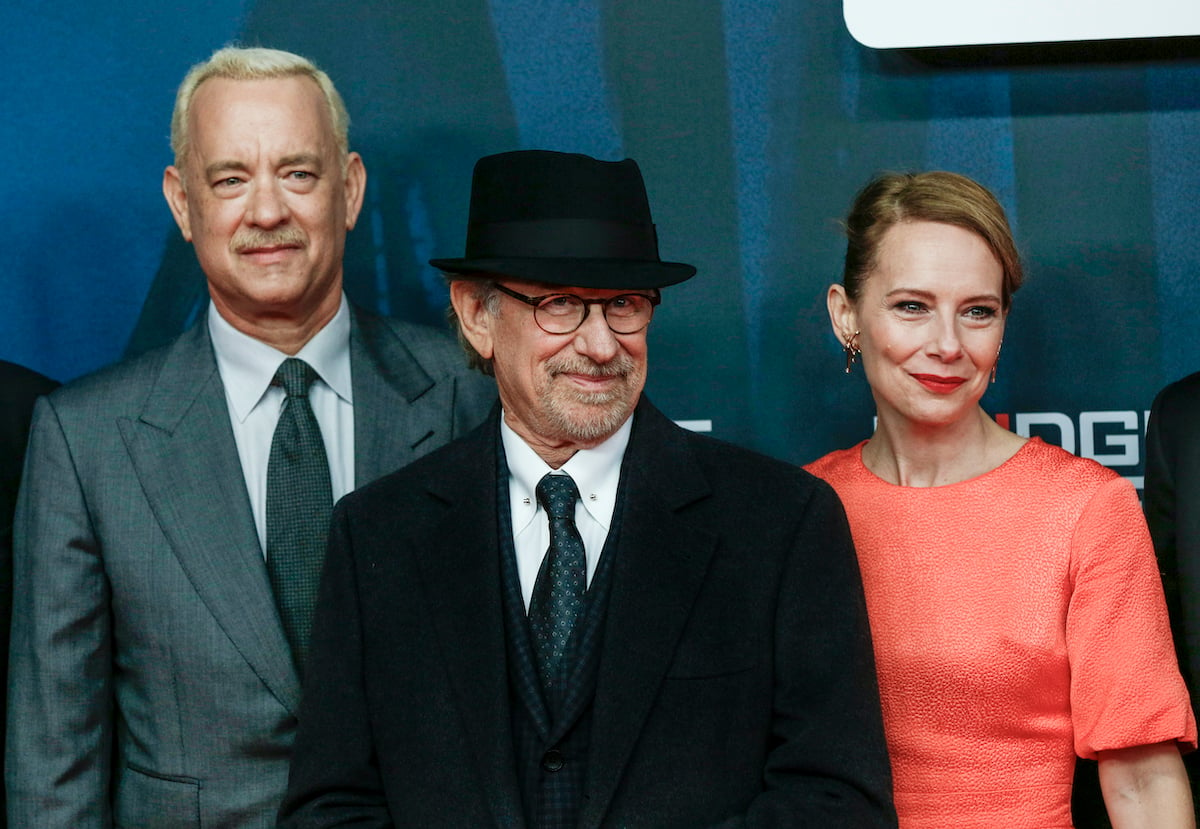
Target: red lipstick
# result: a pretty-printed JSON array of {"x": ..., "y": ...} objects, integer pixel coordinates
[{"x": 938, "y": 384}]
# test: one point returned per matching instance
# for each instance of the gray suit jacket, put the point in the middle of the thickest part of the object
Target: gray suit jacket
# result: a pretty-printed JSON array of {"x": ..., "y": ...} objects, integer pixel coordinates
[{"x": 151, "y": 684}]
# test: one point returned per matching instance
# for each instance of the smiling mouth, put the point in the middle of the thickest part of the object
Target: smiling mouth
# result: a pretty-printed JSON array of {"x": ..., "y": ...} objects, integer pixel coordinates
[
  {"x": 592, "y": 380},
  {"x": 269, "y": 256},
  {"x": 589, "y": 373},
  {"x": 269, "y": 249},
  {"x": 940, "y": 385}
]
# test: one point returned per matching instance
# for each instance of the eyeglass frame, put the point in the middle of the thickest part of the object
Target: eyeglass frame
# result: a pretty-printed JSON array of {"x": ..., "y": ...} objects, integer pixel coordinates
[{"x": 535, "y": 302}]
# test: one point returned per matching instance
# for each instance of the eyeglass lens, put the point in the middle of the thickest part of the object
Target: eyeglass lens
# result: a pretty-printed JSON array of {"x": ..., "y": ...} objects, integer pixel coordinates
[{"x": 625, "y": 313}]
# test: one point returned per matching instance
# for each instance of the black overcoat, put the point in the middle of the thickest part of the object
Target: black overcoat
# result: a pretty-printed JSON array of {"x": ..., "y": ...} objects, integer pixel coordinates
[
  {"x": 1172, "y": 502},
  {"x": 736, "y": 682}
]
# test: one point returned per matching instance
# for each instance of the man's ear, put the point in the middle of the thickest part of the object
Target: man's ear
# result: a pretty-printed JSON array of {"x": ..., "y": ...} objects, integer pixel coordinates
[
  {"x": 176, "y": 196},
  {"x": 476, "y": 321},
  {"x": 356, "y": 186}
]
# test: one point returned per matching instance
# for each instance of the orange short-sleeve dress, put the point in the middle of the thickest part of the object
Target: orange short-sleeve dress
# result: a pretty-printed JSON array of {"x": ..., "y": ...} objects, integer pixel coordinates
[{"x": 1018, "y": 620}]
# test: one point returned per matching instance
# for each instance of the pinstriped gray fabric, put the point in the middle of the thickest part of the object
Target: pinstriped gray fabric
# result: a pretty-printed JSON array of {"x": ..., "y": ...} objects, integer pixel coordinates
[
  {"x": 299, "y": 505},
  {"x": 139, "y": 540}
]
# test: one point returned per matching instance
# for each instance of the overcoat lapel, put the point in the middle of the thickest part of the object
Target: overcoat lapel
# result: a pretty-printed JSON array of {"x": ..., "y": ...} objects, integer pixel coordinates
[
  {"x": 660, "y": 565},
  {"x": 183, "y": 449},
  {"x": 397, "y": 405},
  {"x": 461, "y": 580},
  {"x": 522, "y": 670}
]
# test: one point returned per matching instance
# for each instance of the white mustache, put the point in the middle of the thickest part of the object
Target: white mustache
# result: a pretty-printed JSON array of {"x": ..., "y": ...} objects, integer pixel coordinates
[{"x": 620, "y": 366}]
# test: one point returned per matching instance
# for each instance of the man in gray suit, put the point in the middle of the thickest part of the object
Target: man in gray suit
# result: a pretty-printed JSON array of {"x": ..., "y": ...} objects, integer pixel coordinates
[{"x": 157, "y": 652}]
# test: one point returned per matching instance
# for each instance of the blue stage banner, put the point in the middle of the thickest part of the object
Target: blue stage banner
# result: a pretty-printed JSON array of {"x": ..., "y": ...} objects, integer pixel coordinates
[{"x": 754, "y": 122}]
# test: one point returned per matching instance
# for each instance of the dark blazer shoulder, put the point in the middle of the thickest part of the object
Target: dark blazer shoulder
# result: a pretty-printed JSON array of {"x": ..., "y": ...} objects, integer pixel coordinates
[
  {"x": 20, "y": 386},
  {"x": 19, "y": 390},
  {"x": 733, "y": 471},
  {"x": 1187, "y": 387},
  {"x": 729, "y": 458},
  {"x": 1178, "y": 404}
]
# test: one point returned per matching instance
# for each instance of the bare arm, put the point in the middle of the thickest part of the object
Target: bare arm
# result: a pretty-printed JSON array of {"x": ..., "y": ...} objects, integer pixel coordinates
[{"x": 1146, "y": 787}]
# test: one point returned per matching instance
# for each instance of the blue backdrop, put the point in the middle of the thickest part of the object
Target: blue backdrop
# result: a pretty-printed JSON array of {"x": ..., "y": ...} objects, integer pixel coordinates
[{"x": 754, "y": 122}]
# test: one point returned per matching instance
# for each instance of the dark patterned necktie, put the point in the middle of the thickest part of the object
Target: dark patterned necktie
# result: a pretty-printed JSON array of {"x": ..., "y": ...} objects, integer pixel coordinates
[
  {"x": 561, "y": 581},
  {"x": 299, "y": 504}
]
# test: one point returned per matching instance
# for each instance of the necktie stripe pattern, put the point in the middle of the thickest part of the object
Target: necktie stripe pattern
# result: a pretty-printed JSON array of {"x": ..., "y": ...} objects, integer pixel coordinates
[
  {"x": 561, "y": 583},
  {"x": 299, "y": 506}
]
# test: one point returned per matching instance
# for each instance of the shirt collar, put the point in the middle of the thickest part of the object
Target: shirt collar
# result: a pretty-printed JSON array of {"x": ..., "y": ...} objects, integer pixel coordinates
[
  {"x": 596, "y": 473},
  {"x": 248, "y": 365}
]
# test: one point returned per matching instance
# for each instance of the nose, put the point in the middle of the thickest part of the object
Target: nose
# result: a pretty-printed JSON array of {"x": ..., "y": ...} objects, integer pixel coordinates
[
  {"x": 594, "y": 339},
  {"x": 267, "y": 205},
  {"x": 945, "y": 343}
]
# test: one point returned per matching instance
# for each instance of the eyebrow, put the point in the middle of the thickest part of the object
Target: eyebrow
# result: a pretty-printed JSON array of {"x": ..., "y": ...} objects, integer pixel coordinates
[
  {"x": 929, "y": 295},
  {"x": 301, "y": 159},
  {"x": 213, "y": 170},
  {"x": 230, "y": 166}
]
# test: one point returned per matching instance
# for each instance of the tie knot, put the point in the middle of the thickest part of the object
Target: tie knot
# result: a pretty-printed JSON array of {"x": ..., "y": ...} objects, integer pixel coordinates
[
  {"x": 295, "y": 376},
  {"x": 557, "y": 495}
]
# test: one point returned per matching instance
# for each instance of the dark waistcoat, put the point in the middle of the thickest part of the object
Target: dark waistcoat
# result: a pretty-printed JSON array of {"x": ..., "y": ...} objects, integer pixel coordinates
[{"x": 551, "y": 732}]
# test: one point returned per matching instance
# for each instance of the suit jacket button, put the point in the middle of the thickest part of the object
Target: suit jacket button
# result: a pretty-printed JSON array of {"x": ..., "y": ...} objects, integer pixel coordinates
[{"x": 552, "y": 760}]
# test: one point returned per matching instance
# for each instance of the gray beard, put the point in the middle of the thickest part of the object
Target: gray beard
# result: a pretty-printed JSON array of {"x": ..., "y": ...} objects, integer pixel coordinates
[
  {"x": 604, "y": 412},
  {"x": 604, "y": 415}
]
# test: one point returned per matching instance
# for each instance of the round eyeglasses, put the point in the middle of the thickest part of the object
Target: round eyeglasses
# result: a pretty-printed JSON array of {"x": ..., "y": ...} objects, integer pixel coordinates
[{"x": 564, "y": 313}]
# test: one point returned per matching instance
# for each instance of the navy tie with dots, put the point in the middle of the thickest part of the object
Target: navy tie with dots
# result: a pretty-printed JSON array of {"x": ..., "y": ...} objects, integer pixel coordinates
[
  {"x": 299, "y": 505},
  {"x": 561, "y": 582}
]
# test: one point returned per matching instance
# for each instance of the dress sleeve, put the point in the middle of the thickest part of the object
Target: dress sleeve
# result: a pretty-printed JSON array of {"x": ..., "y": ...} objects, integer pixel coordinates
[{"x": 1126, "y": 689}]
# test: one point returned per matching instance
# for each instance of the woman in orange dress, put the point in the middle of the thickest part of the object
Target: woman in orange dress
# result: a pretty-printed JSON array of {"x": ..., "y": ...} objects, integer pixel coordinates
[{"x": 1014, "y": 598}]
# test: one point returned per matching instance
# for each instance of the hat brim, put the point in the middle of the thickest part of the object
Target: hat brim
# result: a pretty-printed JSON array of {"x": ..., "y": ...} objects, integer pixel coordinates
[{"x": 608, "y": 274}]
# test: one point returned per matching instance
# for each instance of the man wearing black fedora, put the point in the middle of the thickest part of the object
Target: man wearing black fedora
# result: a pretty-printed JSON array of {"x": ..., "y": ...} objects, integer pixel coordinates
[{"x": 581, "y": 615}]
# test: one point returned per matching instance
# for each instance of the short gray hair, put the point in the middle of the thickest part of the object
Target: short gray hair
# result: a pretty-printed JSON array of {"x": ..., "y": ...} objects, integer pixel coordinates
[{"x": 236, "y": 63}]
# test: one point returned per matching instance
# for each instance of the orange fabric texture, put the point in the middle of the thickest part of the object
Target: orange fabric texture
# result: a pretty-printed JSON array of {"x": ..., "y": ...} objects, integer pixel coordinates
[{"x": 1018, "y": 619}]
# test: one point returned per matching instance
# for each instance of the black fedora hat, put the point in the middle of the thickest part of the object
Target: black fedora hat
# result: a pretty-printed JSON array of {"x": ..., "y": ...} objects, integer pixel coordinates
[{"x": 563, "y": 219}]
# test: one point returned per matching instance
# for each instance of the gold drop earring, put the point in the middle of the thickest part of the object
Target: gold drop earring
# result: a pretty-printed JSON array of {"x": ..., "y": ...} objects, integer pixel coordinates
[{"x": 852, "y": 350}]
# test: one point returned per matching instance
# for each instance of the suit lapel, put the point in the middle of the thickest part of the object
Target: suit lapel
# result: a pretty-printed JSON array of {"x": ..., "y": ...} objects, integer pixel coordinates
[
  {"x": 660, "y": 564},
  {"x": 183, "y": 449},
  {"x": 397, "y": 405},
  {"x": 462, "y": 578}
]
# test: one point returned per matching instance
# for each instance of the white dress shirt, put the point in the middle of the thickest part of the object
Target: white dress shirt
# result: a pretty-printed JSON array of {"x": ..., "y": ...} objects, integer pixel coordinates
[
  {"x": 596, "y": 473},
  {"x": 247, "y": 367}
]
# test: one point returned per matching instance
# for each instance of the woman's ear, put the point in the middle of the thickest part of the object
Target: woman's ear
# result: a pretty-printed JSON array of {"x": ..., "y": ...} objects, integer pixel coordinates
[{"x": 842, "y": 315}]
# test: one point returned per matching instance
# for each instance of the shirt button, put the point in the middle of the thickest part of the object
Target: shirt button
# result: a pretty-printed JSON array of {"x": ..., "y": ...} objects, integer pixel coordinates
[{"x": 552, "y": 760}]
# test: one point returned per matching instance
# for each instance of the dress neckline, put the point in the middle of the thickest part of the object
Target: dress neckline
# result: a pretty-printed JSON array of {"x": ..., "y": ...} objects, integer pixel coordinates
[{"x": 865, "y": 471}]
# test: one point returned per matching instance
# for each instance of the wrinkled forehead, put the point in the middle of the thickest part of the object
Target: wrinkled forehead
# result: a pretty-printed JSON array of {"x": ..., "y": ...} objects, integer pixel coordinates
[{"x": 282, "y": 115}]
